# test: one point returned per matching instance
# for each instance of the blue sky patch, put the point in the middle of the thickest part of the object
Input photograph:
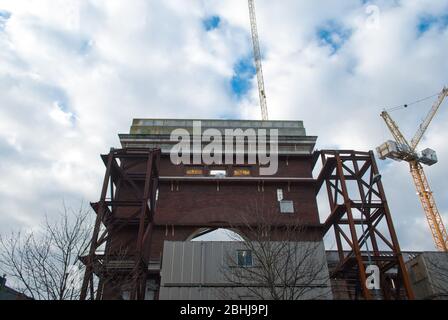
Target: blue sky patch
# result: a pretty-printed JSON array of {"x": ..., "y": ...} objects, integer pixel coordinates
[
  {"x": 211, "y": 23},
  {"x": 60, "y": 98},
  {"x": 427, "y": 22},
  {"x": 4, "y": 16},
  {"x": 243, "y": 72},
  {"x": 85, "y": 46},
  {"x": 333, "y": 35}
]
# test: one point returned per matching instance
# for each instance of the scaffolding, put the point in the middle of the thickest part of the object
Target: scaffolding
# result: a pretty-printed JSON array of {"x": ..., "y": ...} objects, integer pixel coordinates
[
  {"x": 359, "y": 216},
  {"x": 362, "y": 224},
  {"x": 137, "y": 169}
]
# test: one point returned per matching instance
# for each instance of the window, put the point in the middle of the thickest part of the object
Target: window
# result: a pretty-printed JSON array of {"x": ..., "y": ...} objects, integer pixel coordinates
[
  {"x": 244, "y": 258},
  {"x": 279, "y": 194},
  {"x": 151, "y": 289},
  {"x": 241, "y": 172},
  {"x": 195, "y": 172},
  {"x": 218, "y": 173},
  {"x": 286, "y": 206},
  {"x": 126, "y": 295}
]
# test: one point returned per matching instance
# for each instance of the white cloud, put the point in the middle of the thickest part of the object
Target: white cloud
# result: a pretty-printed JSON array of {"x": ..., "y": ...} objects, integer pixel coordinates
[{"x": 75, "y": 73}]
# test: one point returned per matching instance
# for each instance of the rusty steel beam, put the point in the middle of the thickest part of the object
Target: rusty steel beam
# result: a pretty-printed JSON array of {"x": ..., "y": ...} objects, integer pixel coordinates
[
  {"x": 355, "y": 244},
  {"x": 139, "y": 274},
  {"x": 393, "y": 235},
  {"x": 145, "y": 201},
  {"x": 88, "y": 275},
  {"x": 347, "y": 213}
]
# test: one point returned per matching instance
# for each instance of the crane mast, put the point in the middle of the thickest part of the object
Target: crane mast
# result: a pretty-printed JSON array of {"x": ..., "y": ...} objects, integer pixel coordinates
[
  {"x": 402, "y": 150},
  {"x": 257, "y": 57},
  {"x": 426, "y": 197}
]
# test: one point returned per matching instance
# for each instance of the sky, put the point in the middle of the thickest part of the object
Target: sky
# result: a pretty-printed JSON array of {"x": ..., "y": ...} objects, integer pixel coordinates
[{"x": 73, "y": 74}]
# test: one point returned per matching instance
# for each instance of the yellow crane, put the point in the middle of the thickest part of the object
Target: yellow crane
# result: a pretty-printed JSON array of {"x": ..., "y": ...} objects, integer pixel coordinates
[
  {"x": 257, "y": 57},
  {"x": 400, "y": 150}
]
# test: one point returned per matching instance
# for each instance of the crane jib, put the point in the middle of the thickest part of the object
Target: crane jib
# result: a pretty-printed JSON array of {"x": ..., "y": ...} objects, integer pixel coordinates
[{"x": 400, "y": 150}]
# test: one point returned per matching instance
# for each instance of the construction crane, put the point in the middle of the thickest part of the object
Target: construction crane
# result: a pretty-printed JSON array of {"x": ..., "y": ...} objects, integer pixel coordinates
[
  {"x": 400, "y": 150},
  {"x": 257, "y": 57}
]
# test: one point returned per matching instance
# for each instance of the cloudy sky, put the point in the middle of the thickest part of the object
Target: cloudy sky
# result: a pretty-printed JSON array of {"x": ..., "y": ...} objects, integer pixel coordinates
[{"x": 74, "y": 73}]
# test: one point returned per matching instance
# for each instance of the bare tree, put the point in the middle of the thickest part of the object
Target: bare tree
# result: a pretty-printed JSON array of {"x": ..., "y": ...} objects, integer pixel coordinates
[
  {"x": 44, "y": 264},
  {"x": 284, "y": 263}
]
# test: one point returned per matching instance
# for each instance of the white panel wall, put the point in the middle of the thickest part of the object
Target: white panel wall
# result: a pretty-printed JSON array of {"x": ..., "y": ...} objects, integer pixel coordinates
[{"x": 195, "y": 270}]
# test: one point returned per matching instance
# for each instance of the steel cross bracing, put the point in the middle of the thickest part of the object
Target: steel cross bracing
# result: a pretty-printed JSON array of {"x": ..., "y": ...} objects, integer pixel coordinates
[
  {"x": 357, "y": 200},
  {"x": 116, "y": 265}
]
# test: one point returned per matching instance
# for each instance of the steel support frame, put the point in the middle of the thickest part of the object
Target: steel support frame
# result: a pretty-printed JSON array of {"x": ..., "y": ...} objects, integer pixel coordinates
[
  {"x": 349, "y": 176},
  {"x": 143, "y": 204}
]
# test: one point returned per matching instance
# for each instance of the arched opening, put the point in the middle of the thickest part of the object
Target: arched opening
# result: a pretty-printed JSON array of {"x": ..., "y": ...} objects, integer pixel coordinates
[{"x": 216, "y": 234}]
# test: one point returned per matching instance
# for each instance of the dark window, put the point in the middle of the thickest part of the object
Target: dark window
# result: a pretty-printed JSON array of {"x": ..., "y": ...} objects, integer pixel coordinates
[{"x": 244, "y": 258}]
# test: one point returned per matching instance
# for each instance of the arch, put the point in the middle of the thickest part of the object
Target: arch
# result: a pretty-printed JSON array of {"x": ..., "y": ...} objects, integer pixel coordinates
[{"x": 232, "y": 234}]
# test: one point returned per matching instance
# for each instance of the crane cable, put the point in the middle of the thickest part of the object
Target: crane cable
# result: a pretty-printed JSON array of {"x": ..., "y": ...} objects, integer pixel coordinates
[{"x": 403, "y": 106}]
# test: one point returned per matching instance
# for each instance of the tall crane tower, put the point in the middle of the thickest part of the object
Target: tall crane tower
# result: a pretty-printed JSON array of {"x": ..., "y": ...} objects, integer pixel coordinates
[
  {"x": 400, "y": 150},
  {"x": 257, "y": 57}
]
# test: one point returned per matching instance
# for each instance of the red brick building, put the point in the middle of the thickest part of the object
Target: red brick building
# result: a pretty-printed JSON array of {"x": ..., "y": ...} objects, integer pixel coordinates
[{"x": 149, "y": 197}]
